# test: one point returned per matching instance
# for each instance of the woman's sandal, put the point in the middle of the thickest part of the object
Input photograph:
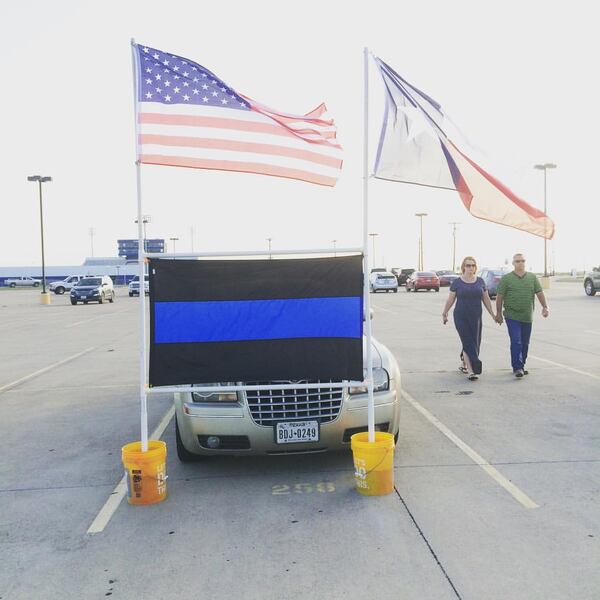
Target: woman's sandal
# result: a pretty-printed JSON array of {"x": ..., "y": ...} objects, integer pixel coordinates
[{"x": 463, "y": 369}]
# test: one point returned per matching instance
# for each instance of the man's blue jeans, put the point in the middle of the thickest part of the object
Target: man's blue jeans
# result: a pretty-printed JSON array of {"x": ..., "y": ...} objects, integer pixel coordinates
[{"x": 519, "y": 333}]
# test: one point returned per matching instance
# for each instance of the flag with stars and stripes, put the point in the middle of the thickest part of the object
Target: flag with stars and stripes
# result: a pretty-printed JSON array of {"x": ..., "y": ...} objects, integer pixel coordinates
[{"x": 188, "y": 117}]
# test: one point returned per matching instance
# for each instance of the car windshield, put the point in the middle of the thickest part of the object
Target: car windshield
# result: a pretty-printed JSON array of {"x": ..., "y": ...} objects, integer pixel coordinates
[
  {"x": 91, "y": 281},
  {"x": 426, "y": 274},
  {"x": 386, "y": 278}
]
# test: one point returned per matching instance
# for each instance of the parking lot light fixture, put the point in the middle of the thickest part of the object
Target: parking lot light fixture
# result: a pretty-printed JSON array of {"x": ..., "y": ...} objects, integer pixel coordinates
[
  {"x": 41, "y": 179},
  {"x": 544, "y": 167},
  {"x": 420, "y": 261},
  {"x": 174, "y": 239},
  {"x": 373, "y": 236}
]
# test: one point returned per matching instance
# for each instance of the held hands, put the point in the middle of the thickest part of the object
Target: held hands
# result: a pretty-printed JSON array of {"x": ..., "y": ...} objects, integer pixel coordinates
[
  {"x": 545, "y": 312},
  {"x": 498, "y": 318}
]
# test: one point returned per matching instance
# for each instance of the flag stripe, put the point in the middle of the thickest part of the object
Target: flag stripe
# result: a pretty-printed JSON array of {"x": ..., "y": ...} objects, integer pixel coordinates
[
  {"x": 237, "y": 135},
  {"x": 240, "y": 166},
  {"x": 496, "y": 203},
  {"x": 232, "y": 155},
  {"x": 238, "y": 146},
  {"x": 245, "y": 320},
  {"x": 222, "y": 122}
]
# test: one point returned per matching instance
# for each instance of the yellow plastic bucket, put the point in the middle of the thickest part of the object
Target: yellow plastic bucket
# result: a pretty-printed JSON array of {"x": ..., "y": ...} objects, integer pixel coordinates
[
  {"x": 146, "y": 472},
  {"x": 373, "y": 463}
]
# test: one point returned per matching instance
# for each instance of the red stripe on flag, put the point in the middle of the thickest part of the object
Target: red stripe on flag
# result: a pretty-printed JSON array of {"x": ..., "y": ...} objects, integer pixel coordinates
[
  {"x": 240, "y": 166},
  {"x": 530, "y": 210},
  {"x": 237, "y": 146}
]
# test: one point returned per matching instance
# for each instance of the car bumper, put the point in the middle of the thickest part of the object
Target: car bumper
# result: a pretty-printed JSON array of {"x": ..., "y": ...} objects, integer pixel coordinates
[
  {"x": 376, "y": 288},
  {"x": 197, "y": 421}
]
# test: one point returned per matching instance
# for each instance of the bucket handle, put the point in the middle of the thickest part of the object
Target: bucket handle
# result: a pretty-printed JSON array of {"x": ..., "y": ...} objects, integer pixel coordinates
[{"x": 382, "y": 459}]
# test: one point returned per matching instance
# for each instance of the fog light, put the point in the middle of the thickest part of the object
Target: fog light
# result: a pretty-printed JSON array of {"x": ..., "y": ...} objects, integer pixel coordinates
[{"x": 213, "y": 441}]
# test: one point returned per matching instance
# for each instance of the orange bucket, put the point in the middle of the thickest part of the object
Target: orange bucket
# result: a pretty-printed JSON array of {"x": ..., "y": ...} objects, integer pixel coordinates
[{"x": 146, "y": 472}]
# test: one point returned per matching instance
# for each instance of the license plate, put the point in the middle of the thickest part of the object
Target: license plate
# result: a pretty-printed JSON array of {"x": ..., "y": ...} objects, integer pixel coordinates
[
  {"x": 84, "y": 297},
  {"x": 296, "y": 432}
]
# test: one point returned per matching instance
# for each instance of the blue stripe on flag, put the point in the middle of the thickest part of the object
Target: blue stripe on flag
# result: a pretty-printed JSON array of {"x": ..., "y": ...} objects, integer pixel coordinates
[{"x": 243, "y": 320}]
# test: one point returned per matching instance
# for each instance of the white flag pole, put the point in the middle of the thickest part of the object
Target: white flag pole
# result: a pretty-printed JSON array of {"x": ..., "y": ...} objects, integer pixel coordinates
[
  {"x": 366, "y": 294},
  {"x": 141, "y": 258}
]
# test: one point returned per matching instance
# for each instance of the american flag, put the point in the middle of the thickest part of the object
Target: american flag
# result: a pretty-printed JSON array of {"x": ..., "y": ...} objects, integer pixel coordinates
[{"x": 188, "y": 117}]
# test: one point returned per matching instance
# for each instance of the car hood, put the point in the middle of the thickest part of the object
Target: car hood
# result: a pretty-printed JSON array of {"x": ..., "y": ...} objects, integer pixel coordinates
[{"x": 86, "y": 288}]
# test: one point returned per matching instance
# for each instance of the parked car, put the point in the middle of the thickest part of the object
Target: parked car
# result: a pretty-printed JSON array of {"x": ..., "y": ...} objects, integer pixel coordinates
[
  {"x": 66, "y": 285},
  {"x": 446, "y": 277},
  {"x": 492, "y": 278},
  {"x": 423, "y": 280},
  {"x": 93, "y": 289},
  {"x": 383, "y": 281},
  {"x": 591, "y": 281},
  {"x": 245, "y": 422},
  {"x": 402, "y": 275},
  {"x": 22, "y": 282},
  {"x": 134, "y": 285}
]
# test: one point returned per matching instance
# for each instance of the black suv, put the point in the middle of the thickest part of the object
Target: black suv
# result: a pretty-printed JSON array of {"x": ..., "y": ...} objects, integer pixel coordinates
[{"x": 402, "y": 275}]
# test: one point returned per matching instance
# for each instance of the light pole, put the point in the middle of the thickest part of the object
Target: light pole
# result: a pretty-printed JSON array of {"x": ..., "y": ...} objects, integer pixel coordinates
[
  {"x": 269, "y": 240},
  {"x": 192, "y": 237},
  {"x": 41, "y": 179},
  {"x": 174, "y": 239},
  {"x": 92, "y": 232},
  {"x": 373, "y": 236},
  {"x": 334, "y": 247},
  {"x": 421, "y": 261},
  {"x": 454, "y": 224},
  {"x": 145, "y": 219},
  {"x": 544, "y": 167}
]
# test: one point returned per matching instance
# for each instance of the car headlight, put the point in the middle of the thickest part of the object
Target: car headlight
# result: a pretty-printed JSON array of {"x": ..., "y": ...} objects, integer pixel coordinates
[
  {"x": 381, "y": 382},
  {"x": 215, "y": 396}
]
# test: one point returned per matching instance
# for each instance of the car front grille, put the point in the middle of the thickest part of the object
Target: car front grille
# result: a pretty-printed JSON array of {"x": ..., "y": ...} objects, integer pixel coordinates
[{"x": 322, "y": 404}]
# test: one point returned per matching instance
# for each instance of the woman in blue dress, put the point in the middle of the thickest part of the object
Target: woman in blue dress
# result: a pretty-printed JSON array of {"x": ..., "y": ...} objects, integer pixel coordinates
[{"x": 469, "y": 292}]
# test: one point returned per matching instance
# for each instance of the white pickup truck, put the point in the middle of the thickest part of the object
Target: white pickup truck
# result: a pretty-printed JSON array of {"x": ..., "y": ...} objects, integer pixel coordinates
[
  {"x": 22, "y": 282},
  {"x": 65, "y": 285}
]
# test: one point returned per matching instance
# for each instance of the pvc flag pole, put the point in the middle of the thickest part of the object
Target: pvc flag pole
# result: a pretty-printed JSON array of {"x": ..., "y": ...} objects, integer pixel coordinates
[
  {"x": 141, "y": 260},
  {"x": 367, "y": 300}
]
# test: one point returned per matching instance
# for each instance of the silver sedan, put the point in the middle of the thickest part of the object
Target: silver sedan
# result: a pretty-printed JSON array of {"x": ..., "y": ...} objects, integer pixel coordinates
[{"x": 285, "y": 421}]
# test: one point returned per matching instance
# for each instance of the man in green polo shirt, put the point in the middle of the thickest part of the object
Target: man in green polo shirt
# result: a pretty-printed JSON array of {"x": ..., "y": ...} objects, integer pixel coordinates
[{"x": 517, "y": 291}]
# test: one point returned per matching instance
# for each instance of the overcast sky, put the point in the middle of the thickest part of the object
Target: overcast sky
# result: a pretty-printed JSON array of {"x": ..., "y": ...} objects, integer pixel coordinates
[{"x": 519, "y": 79}]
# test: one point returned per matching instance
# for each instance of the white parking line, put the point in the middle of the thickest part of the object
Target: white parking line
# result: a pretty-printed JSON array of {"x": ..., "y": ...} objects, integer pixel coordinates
[
  {"x": 512, "y": 489},
  {"x": 45, "y": 369},
  {"x": 557, "y": 364},
  {"x": 111, "y": 505}
]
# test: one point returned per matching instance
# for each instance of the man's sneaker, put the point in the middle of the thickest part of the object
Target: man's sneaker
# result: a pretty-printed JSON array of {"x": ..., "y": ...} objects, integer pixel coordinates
[
  {"x": 519, "y": 373},
  {"x": 525, "y": 372}
]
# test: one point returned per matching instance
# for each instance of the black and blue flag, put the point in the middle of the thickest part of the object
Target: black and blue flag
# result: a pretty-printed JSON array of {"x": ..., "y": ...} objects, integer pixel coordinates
[{"x": 255, "y": 320}]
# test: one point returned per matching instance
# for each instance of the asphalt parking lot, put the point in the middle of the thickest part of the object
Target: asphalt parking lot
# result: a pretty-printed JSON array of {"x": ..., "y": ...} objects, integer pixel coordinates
[{"x": 497, "y": 481}]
